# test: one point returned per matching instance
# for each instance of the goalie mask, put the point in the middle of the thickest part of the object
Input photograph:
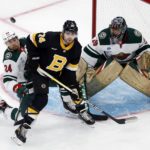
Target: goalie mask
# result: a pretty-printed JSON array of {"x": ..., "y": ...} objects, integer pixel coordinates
[{"x": 118, "y": 27}]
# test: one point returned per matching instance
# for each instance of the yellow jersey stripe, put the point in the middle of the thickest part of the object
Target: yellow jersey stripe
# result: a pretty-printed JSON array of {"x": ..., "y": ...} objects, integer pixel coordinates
[
  {"x": 63, "y": 46},
  {"x": 31, "y": 110},
  {"x": 32, "y": 38}
]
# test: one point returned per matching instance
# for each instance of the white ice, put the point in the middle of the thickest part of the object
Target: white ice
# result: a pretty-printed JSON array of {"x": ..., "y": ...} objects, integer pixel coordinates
[{"x": 52, "y": 132}]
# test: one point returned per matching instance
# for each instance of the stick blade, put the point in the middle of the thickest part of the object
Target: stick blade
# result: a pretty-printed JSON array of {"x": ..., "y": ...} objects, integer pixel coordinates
[
  {"x": 131, "y": 119},
  {"x": 126, "y": 120}
]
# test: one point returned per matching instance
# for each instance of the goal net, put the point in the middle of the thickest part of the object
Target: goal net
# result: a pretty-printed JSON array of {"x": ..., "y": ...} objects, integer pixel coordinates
[{"x": 135, "y": 12}]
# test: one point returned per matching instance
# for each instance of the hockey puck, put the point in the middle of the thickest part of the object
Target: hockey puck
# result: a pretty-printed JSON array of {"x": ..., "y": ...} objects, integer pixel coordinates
[{"x": 12, "y": 19}]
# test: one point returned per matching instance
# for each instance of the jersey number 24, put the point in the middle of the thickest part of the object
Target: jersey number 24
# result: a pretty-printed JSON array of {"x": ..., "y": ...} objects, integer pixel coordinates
[{"x": 8, "y": 68}]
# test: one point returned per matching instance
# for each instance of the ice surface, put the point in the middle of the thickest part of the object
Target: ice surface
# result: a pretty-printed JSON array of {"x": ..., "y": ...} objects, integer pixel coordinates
[{"x": 57, "y": 132}]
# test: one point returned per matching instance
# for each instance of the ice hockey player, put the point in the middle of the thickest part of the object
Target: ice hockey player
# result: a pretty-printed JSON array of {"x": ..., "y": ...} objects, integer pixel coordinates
[
  {"x": 58, "y": 53},
  {"x": 14, "y": 60},
  {"x": 117, "y": 51}
]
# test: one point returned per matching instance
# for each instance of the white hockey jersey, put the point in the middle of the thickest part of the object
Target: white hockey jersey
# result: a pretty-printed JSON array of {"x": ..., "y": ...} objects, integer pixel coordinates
[
  {"x": 14, "y": 63},
  {"x": 130, "y": 47}
]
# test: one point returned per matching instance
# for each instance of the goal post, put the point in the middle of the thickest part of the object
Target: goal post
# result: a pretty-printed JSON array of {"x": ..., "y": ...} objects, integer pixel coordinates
[{"x": 94, "y": 11}]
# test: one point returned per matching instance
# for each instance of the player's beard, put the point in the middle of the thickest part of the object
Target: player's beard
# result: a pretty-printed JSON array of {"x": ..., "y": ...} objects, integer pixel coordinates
[
  {"x": 15, "y": 47},
  {"x": 68, "y": 41}
]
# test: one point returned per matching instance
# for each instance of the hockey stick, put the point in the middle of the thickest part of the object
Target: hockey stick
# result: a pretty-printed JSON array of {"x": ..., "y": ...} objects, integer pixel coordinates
[
  {"x": 85, "y": 97},
  {"x": 119, "y": 121}
]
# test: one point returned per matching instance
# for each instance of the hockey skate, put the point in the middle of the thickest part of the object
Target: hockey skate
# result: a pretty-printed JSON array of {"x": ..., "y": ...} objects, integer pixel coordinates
[
  {"x": 20, "y": 134},
  {"x": 86, "y": 117},
  {"x": 70, "y": 106}
]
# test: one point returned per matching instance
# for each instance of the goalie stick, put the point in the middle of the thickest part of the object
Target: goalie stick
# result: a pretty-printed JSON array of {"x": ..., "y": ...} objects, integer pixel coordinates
[{"x": 119, "y": 121}]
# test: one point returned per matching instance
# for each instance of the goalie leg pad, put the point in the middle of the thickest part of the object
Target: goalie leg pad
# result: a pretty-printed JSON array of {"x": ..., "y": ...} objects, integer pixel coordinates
[
  {"x": 135, "y": 79},
  {"x": 144, "y": 60},
  {"x": 82, "y": 67},
  {"x": 144, "y": 64},
  {"x": 110, "y": 72},
  {"x": 104, "y": 75}
]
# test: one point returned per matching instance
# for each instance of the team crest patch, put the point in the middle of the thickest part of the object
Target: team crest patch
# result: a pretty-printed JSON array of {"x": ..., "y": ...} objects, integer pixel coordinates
[
  {"x": 102, "y": 35},
  {"x": 8, "y": 55},
  {"x": 137, "y": 33}
]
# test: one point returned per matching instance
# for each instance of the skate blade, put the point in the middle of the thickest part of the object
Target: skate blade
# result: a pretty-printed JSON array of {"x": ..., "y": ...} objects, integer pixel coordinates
[
  {"x": 84, "y": 124},
  {"x": 17, "y": 141}
]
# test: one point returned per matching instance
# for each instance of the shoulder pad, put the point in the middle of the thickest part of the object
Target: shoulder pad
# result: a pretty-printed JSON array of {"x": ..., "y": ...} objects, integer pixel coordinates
[
  {"x": 37, "y": 38},
  {"x": 134, "y": 36}
]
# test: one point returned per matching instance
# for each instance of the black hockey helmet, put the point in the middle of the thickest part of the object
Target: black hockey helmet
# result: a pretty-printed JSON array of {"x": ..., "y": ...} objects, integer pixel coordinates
[
  {"x": 119, "y": 23},
  {"x": 71, "y": 26}
]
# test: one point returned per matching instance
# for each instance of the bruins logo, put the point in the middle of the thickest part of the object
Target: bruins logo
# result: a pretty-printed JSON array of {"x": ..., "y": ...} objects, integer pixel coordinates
[{"x": 8, "y": 55}]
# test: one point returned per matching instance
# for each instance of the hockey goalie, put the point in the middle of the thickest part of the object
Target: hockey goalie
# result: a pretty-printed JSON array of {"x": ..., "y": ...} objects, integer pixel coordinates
[{"x": 117, "y": 51}]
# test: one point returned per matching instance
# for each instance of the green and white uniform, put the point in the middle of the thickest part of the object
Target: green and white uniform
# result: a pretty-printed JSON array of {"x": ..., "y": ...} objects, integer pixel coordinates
[
  {"x": 131, "y": 46},
  {"x": 108, "y": 58},
  {"x": 14, "y": 63}
]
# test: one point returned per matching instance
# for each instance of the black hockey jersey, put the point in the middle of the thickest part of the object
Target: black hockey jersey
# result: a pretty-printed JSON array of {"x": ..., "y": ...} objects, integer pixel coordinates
[{"x": 48, "y": 51}]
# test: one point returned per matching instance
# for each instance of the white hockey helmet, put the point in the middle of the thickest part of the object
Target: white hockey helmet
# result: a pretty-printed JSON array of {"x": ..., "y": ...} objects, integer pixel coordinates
[{"x": 8, "y": 36}]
